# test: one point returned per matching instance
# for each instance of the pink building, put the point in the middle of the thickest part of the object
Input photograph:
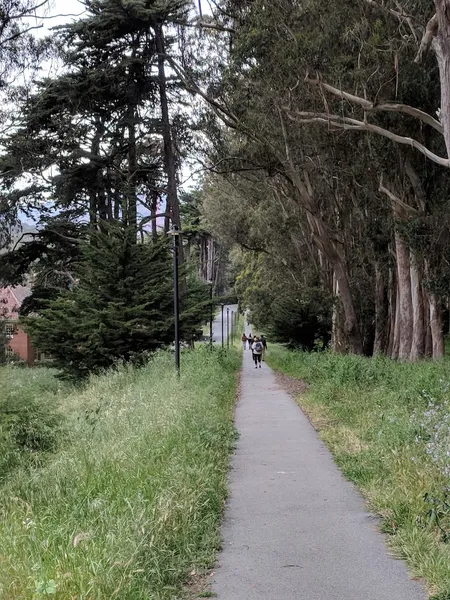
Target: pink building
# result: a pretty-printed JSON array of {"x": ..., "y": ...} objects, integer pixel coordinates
[{"x": 11, "y": 299}]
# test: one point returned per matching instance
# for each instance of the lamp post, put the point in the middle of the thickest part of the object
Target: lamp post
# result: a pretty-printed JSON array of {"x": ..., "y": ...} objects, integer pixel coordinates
[
  {"x": 176, "y": 294},
  {"x": 228, "y": 328},
  {"x": 232, "y": 327},
  {"x": 211, "y": 316},
  {"x": 222, "y": 325}
]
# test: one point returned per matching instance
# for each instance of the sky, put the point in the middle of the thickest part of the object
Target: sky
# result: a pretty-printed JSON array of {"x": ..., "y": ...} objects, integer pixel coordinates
[{"x": 59, "y": 9}]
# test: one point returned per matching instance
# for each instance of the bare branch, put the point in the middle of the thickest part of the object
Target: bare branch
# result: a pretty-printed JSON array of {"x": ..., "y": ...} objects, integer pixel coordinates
[
  {"x": 382, "y": 107},
  {"x": 355, "y": 125},
  {"x": 19, "y": 33},
  {"x": 29, "y": 12},
  {"x": 427, "y": 39},
  {"x": 395, "y": 199},
  {"x": 203, "y": 25},
  {"x": 21, "y": 238},
  {"x": 225, "y": 115},
  {"x": 150, "y": 218},
  {"x": 398, "y": 14}
]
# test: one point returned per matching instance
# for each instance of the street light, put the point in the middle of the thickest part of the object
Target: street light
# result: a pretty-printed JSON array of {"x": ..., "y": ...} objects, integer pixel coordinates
[
  {"x": 222, "y": 325},
  {"x": 211, "y": 316},
  {"x": 176, "y": 295},
  {"x": 232, "y": 327},
  {"x": 228, "y": 328}
]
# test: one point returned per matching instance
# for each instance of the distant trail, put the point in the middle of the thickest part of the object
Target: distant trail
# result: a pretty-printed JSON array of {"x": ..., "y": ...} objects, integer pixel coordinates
[
  {"x": 295, "y": 528},
  {"x": 217, "y": 324}
]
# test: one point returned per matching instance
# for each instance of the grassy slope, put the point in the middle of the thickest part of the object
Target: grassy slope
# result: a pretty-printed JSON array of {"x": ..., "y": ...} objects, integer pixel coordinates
[
  {"x": 364, "y": 409},
  {"x": 132, "y": 501}
]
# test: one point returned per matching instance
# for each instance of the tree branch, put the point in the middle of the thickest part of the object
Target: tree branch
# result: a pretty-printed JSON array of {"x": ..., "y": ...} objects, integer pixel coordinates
[
  {"x": 427, "y": 39},
  {"x": 395, "y": 199},
  {"x": 398, "y": 14},
  {"x": 18, "y": 34},
  {"x": 382, "y": 107},
  {"x": 355, "y": 125},
  {"x": 225, "y": 115}
]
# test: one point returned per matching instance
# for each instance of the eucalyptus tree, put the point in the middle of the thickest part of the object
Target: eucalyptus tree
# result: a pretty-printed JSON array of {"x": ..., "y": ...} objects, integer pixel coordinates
[{"x": 283, "y": 83}]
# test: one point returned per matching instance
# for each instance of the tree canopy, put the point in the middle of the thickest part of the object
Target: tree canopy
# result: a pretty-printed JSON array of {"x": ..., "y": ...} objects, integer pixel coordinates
[{"x": 322, "y": 134}]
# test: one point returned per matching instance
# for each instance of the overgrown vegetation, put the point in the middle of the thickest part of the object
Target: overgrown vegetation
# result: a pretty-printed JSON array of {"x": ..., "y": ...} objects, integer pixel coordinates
[
  {"x": 130, "y": 504},
  {"x": 30, "y": 424},
  {"x": 379, "y": 419}
]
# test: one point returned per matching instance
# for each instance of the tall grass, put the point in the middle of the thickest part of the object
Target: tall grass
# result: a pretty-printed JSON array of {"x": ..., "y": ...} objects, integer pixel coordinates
[
  {"x": 131, "y": 502},
  {"x": 374, "y": 414},
  {"x": 29, "y": 420}
]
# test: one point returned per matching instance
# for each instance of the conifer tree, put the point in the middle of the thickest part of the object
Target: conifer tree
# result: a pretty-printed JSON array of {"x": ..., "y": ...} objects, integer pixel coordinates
[{"x": 119, "y": 308}]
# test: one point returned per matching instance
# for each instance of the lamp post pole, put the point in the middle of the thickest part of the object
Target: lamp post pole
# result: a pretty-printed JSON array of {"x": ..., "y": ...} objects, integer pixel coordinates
[
  {"x": 211, "y": 316},
  {"x": 222, "y": 327},
  {"x": 228, "y": 328},
  {"x": 232, "y": 327},
  {"x": 176, "y": 294}
]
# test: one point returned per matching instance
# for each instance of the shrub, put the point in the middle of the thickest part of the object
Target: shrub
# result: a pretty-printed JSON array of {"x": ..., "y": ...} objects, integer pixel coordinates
[{"x": 30, "y": 422}]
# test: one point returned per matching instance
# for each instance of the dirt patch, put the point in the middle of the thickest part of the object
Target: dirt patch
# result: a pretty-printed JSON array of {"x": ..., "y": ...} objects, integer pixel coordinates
[
  {"x": 199, "y": 585},
  {"x": 293, "y": 386},
  {"x": 297, "y": 388}
]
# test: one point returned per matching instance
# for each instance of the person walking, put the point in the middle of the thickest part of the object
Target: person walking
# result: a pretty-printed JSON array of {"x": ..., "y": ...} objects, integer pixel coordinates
[
  {"x": 244, "y": 341},
  {"x": 264, "y": 343},
  {"x": 257, "y": 349},
  {"x": 250, "y": 341}
]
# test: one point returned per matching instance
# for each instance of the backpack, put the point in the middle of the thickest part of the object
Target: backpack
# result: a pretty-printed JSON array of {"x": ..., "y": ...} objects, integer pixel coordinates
[{"x": 258, "y": 347}]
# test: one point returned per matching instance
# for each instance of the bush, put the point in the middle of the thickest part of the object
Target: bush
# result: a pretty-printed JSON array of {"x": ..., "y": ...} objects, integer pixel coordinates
[{"x": 30, "y": 423}]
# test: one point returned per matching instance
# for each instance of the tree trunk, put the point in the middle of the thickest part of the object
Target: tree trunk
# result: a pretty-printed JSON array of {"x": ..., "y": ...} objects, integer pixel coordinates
[
  {"x": 381, "y": 312},
  {"x": 326, "y": 241},
  {"x": 436, "y": 325},
  {"x": 418, "y": 342},
  {"x": 337, "y": 334},
  {"x": 441, "y": 46},
  {"x": 132, "y": 169},
  {"x": 404, "y": 299},
  {"x": 392, "y": 304},
  {"x": 427, "y": 326},
  {"x": 154, "y": 212},
  {"x": 397, "y": 326},
  {"x": 169, "y": 154},
  {"x": 351, "y": 325}
]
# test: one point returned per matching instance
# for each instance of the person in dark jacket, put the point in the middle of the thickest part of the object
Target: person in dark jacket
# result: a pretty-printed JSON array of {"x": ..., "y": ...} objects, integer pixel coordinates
[
  {"x": 257, "y": 349},
  {"x": 244, "y": 341},
  {"x": 264, "y": 343}
]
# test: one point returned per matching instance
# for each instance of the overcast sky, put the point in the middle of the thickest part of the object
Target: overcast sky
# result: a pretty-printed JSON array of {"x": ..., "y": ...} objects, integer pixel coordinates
[{"x": 61, "y": 11}]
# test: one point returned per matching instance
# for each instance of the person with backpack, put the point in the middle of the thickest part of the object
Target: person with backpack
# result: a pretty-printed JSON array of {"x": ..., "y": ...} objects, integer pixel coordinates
[
  {"x": 250, "y": 341},
  {"x": 257, "y": 349},
  {"x": 264, "y": 343},
  {"x": 244, "y": 341}
]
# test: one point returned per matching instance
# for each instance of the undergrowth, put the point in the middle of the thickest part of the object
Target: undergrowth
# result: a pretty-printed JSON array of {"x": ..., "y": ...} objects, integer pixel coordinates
[
  {"x": 129, "y": 503},
  {"x": 387, "y": 424},
  {"x": 30, "y": 423}
]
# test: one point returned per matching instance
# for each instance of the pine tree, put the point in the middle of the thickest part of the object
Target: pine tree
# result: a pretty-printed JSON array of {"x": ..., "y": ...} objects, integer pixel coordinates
[{"x": 119, "y": 309}]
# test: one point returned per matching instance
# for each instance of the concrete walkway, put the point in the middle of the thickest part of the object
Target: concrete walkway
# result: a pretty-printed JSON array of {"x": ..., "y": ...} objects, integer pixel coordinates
[
  {"x": 217, "y": 323},
  {"x": 295, "y": 528}
]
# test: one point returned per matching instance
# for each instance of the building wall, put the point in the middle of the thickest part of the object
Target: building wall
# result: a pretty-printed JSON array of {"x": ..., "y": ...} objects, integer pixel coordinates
[{"x": 20, "y": 344}]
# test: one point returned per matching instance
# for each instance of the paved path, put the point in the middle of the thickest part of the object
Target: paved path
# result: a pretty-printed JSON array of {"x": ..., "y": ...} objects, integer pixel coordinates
[
  {"x": 217, "y": 323},
  {"x": 294, "y": 527}
]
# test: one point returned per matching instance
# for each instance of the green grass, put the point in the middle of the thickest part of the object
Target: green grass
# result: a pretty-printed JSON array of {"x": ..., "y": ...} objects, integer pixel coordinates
[
  {"x": 369, "y": 413},
  {"x": 131, "y": 502},
  {"x": 30, "y": 424}
]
